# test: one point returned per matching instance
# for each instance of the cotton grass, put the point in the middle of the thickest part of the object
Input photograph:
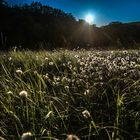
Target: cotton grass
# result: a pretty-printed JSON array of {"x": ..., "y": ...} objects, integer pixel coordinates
[
  {"x": 23, "y": 94},
  {"x": 26, "y": 136}
]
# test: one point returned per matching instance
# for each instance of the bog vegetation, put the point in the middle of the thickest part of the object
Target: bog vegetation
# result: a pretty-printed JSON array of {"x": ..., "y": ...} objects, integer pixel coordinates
[
  {"x": 93, "y": 95},
  {"x": 67, "y": 95}
]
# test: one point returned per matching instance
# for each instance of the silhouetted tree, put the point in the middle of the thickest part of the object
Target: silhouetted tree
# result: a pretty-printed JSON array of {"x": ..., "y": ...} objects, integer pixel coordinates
[
  {"x": 3, "y": 2},
  {"x": 38, "y": 26}
]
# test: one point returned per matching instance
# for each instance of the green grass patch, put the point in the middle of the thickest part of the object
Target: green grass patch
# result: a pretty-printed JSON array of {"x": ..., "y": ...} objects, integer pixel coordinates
[{"x": 91, "y": 94}]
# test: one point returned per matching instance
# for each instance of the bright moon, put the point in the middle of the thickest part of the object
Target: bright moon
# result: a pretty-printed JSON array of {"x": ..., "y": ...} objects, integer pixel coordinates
[{"x": 89, "y": 19}]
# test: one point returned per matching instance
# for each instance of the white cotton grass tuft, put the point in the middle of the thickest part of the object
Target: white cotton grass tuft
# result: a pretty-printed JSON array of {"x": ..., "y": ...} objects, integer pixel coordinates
[
  {"x": 26, "y": 136},
  {"x": 51, "y": 63},
  {"x": 67, "y": 87},
  {"x": 86, "y": 114},
  {"x": 72, "y": 137},
  {"x": 10, "y": 58},
  {"x": 9, "y": 92},
  {"x": 46, "y": 58},
  {"x": 87, "y": 92},
  {"x": 23, "y": 94},
  {"x": 19, "y": 71}
]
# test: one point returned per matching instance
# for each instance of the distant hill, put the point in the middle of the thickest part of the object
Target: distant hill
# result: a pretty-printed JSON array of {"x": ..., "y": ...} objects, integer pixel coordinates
[{"x": 38, "y": 26}]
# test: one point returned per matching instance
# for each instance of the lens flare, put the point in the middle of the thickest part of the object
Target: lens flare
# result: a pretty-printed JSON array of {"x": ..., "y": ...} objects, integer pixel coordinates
[{"x": 89, "y": 18}]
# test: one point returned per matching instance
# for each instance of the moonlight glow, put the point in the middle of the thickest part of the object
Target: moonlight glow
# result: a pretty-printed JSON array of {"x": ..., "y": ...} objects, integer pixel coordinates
[{"x": 89, "y": 18}]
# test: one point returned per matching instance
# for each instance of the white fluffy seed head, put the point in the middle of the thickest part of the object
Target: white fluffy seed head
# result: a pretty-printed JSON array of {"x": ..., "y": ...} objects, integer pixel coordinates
[
  {"x": 9, "y": 92},
  {"x": 10, "y": 58},
  {"x": 86, "y": 92},
  {"x": 23, "y": 94},
  {"x": 18, "y": 71},
  {"x": 86, "y": 114},
  {"x": 46, "y": 58},
  {"x": 26, "y": 136},
  {"x": 67, "y": 87},
  {"x": 51, "y": 63},
  {"x": 72, "y": 137}
]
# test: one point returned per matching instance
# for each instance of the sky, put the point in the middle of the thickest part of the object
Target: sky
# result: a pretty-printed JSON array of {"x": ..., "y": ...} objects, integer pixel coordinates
[{"x": 103, "y": 11}]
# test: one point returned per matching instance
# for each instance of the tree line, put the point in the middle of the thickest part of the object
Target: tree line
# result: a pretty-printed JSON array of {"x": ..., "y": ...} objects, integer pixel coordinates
[{"x": 38, "y": 26}]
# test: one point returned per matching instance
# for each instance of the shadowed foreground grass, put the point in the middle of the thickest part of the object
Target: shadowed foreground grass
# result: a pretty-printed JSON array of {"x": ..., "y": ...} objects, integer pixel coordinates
[{"x": 92, "y": 94}]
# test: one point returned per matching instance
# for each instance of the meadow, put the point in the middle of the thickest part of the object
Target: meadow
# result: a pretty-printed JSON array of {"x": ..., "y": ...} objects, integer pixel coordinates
[{"x": 94, "y": 95}]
